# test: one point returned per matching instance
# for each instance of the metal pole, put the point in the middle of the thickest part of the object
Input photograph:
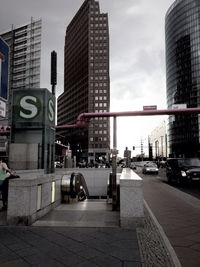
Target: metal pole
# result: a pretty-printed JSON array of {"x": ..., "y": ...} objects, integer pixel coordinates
[
  {"x": 114, "y": 166},
  {"x": 115, "y": 132}
]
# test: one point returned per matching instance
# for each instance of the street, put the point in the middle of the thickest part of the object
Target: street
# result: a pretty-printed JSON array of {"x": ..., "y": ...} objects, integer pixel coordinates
[
  {"x": 178, "y": 212},
  {"x": 190, "y": 188}
]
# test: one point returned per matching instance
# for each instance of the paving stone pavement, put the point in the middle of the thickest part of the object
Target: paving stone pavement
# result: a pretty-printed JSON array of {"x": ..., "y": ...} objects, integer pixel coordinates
[
  {"x": 58, "y": 246},
  {"x": 153, "y": 250},
  {"x": 67, "y": 246}
]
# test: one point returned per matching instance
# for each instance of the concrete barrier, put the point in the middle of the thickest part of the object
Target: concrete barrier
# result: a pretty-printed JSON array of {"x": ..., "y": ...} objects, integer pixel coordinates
[
  {"x": 34, "y": 194},
  {"x": 131, "y": 199}
]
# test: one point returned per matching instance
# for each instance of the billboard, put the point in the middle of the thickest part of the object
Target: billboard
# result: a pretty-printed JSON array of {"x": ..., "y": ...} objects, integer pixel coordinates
[{"x": 4, "y": 57}]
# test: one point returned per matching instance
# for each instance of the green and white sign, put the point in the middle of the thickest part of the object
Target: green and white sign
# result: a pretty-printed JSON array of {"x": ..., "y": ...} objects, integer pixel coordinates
[
  {"x": 29, "y": 107},
  {"x": 33, "y": 105},
  {"x": 51, "y": 110}
]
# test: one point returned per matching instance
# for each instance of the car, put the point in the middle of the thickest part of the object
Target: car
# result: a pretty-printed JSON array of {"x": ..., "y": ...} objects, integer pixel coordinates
[
  {"x": 133, "y": 166},
  {"x": 182, "y": 170},
  {"x": 162, "y": 163},
  {"x": 58, "y": 164},
  {"x": 150, "y": 167}
]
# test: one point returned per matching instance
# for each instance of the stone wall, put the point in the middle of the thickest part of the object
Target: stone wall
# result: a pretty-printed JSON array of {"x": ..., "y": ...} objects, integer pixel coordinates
[
  {"x": 30, "y": 197},
  {"x": 131, "y": 199}
]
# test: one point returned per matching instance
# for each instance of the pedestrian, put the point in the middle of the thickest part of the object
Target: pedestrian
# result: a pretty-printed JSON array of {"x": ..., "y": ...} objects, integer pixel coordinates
[{"x": 5, "y": 175}]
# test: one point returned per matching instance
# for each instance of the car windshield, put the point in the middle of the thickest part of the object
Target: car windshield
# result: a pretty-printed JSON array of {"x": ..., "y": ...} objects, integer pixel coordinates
[
  {"x": 189, "y": 162},
  {"x": 151, "y": 165}
]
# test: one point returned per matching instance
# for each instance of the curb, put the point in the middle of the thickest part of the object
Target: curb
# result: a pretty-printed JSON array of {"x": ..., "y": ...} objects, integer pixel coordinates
[{"x": 167, "y": 244}]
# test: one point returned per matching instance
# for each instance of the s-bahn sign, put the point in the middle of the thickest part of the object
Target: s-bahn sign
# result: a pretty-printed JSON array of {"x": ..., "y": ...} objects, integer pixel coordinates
[
  {"x": 29, "y": 107},
  {"x": 33, "y": 107}
]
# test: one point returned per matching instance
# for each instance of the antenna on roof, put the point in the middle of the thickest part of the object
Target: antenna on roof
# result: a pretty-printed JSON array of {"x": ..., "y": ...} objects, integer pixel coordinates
[{"x": 53, "y": 71}]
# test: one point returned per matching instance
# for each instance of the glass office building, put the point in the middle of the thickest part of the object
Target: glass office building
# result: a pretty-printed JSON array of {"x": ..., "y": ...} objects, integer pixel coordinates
[{"x": 182, "y": 33}]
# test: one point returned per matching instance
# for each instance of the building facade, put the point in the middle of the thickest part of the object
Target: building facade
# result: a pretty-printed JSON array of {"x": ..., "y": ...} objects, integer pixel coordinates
[
  {"x": 158, "y": 141},
  {"x": 182, "y": 32},
  {"x": 24, "y": 57},
  {"x": 24, "y": 66},
  {"x": 86, "y": 83}
]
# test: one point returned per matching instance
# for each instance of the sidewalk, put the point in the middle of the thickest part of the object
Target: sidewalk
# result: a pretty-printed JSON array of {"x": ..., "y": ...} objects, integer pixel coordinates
[
  {"x": 52, "y": 241},
  {"x": 178, "y": 214}
]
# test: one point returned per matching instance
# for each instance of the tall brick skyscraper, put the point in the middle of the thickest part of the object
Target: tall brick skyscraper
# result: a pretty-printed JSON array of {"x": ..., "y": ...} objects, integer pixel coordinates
[{"x": 86, "y": 82}]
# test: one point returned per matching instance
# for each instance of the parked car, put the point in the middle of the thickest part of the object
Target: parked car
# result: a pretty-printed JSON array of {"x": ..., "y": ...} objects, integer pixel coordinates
[
  {"x": 162, "y": 163},
  {"x": 150, "y": 167},
  {"x": 182, "y": 170},
  {"x": 58, "y": 164},
  {"x": 133, "y": 166}
]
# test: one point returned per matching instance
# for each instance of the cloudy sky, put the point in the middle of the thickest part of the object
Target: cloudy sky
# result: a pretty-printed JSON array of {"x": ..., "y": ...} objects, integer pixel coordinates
[{"x": 137, "y": 54}]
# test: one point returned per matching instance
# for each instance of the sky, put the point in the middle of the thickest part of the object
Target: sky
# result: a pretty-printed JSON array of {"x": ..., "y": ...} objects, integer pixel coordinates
[{"x": 137, "y": 55}]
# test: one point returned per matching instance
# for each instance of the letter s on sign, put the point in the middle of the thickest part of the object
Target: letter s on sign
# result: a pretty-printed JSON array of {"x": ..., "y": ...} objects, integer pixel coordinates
[
  {"x": 51, "y": 110},
  {"x": 29, "y": 107}
]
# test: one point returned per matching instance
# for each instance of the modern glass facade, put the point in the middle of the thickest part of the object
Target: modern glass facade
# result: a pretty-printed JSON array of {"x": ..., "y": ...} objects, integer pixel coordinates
[
  {"x": 182, "y": 33},
  {"x": 86, "y": 82}
]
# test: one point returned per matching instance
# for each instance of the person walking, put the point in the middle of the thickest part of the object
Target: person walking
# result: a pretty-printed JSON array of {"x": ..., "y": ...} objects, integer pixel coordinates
[{"x": 5, "y": 172}]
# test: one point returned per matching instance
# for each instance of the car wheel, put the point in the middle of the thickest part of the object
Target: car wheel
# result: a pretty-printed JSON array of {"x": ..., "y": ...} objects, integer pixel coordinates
[{"x": 169, "y": 179}]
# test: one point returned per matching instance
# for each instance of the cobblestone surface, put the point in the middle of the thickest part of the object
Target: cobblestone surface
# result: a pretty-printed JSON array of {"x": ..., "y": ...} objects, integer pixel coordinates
[{"x": 151, "y": 244}]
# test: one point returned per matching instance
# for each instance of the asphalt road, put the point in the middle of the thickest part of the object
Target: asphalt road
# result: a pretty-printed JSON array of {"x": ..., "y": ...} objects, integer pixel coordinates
[{"x": 191, "y": 188}]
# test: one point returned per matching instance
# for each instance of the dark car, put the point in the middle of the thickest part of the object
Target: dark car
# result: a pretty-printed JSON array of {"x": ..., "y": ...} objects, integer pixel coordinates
[
  {"x": 150, "y": 167},
  {"x": 183, "y": 170}
]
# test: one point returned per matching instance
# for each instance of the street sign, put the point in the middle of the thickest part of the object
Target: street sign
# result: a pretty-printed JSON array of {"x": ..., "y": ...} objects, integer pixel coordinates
[
  {"x": 179, "y": 106},
  {"x": 4, "y": 58},
  {"x": 149, "y": 107}
]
